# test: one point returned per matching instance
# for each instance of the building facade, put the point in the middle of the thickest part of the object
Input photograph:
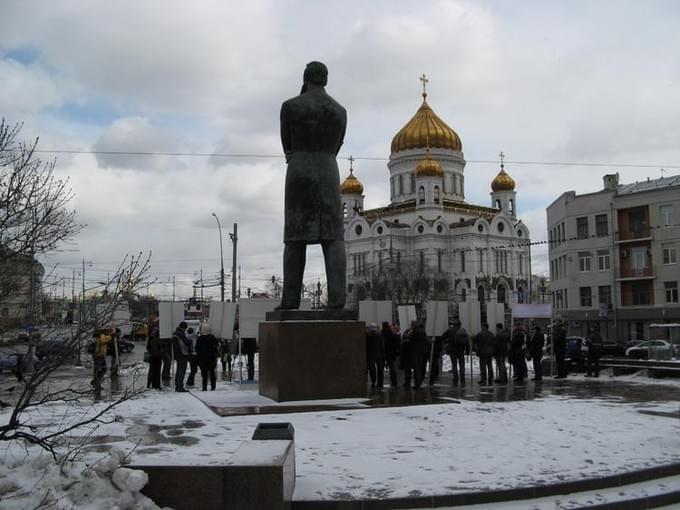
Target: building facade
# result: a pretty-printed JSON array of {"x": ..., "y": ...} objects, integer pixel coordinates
[
  {"x": 21, "y": 296},
  {"x": 613, "y": 257},
  {"x": 428, "y": 242}
]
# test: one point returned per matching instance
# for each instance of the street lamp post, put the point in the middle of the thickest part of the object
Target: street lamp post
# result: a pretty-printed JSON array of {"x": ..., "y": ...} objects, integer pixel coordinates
[{"x": 219, "y": 228}]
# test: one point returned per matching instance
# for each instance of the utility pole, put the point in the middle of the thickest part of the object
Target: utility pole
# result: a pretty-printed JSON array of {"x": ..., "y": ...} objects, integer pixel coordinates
[
  {"x": 82, "y": 300},
  {"x": 219, "y": 230},
  {"x": 234, "y": 239}
]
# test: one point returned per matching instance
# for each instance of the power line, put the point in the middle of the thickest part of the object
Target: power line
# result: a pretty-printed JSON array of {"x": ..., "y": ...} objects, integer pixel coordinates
[{"x": 365, "y": 158}]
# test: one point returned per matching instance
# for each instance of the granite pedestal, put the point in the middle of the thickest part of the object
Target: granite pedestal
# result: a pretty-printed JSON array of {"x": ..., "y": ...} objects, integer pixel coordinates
[{"x": 312, "y": 359}]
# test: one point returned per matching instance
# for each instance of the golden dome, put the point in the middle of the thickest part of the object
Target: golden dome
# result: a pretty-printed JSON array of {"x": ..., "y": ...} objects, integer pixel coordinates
[
  {"x": 426, "y": 129},
  {"x": 503, "y": 182},
  {"x": 351, "y": 185},
  {"x": 429, "y": 167}
]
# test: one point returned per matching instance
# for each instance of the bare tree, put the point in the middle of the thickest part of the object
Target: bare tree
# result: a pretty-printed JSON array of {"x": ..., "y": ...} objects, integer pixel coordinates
[
  {"x": 35, "y": 389},
  {"x": 34, "y": 207}
]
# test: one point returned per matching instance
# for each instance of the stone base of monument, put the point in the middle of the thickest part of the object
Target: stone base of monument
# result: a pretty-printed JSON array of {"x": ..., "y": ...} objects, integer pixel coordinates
[{"x": 312, "y": 359}]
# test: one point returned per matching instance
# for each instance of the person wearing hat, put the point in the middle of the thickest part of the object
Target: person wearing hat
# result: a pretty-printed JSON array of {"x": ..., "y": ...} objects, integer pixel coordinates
[
  {"x": 207, "y": 352},
  {"x": 500, "y": 352},
  {"x": 182, "y": 350},
  {"x": 457, "y": 342},
  {"x": 375, "y": 355}
]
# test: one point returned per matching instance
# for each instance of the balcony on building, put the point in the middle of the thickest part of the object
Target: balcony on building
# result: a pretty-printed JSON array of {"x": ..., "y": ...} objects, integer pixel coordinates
[{"x": 634, "y": 224}]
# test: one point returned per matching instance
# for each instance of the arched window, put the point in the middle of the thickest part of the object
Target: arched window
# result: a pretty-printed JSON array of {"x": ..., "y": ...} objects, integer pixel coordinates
[
  {"x": 454, "y": 186},
  {"x": 436, "y": 194},
  {"x": 401, "y": 184},
  {"x": 463, "y": 295},
  {"x": 392, "y": 187},
  {"x": 520, "y": 295},
  {"x": 421, "y": 195},
  {"x": 413, "y": 183},
  {"x": 498, "y": 204},
  {"x": 512, "y": 207},
  {"x": 500, "y": 294},
  {"x": 480, "y": 294}
]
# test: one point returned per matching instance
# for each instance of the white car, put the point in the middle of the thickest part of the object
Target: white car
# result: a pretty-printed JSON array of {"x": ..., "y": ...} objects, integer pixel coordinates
[{"x": 656, "y": 349}]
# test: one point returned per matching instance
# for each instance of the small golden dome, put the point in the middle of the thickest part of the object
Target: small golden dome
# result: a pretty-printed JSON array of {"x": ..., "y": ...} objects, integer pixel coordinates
[
  {"x": 429, "y": 167},
  {"x": 424, "y": 129},
  {"x": 503, "y": 182},
  {"x": 351, "y": 185}
]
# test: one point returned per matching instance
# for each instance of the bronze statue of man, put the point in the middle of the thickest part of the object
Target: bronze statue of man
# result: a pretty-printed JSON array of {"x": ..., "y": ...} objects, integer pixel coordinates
[{"x": 312, "y": 131}]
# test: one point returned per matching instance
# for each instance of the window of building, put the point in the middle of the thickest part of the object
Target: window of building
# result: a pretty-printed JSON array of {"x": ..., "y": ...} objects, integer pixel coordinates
[
  {"x": 463, "y": 295},
  {"x": 398, "y": 261},
  {"x": 637, "y": 222},
  {"x": 439, "y": 261},
  {"x": 392, "y": 187},
  {"x": 603, "y": 260},
  {"x": 436, "y": 194},
  {"x": 511, "y": 207},
  {"x": 586, "y": 296},
  {"x": 584, "y": 261},
  {"x": 566, "y": 298},
  {"x": 481, "y": 261},
  {"x": 501, "y": 227},
  {"x": 344, "y": 209},
  {"x": 358, "y": 230},
  {"x": 669, "y": 254},
  {"x": 455, "y": 184},
  {"x": 421, "y": 195},
  {"x": 641, "y": 293},
  {"x": 413, "y": 183},
  {"x": 440, "y": 229},
  {"x": 379, "y": 230},
  {"x": 666, "y": 215},
  {"x": 604, "y": 293},
  {"x": 462, "y": 261},
  {"x": 401, "y": 184},
  {"x": 421, "y": 262},
  {"x": 421, "y": 229},
  {"x": 639, "y": 256},
  {"x": 582, "y": 227},
  {"x": 601, "y": 225},
  {"x": 671, "y": 292},
  {"x": 520, "y": 260},
  {"x": 500, "y": 294}
]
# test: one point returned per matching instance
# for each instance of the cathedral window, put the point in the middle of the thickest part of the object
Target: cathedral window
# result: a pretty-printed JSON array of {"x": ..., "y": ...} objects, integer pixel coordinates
[
  {"x": 440, "y": 229},
  {"x": 498, "y": 204},
  {"x": 379, "y": 230},
  {"x": 421, "y": 229},
  {"x": 413, "y": 183},
  {"x": 480, "y": 228},
  {"x": 436, "y": 194},
  {"x": 462, "y": 261},
  {"x": 501, "y": 227},
  {"x": 512, "y": 207},
  {"x": 463, "y": 295},
  {"x": 344, "y": 210},
  {"x": 422, "y": 261},
  {"x": 392, "y": 188},
  {"x": 401, "y": 184},
  {"x": 439, "y": 260},
  {"x": 421, "y": 195},
  {"x": 500, "y": 294},
  {"x": 453, "y": 184},
  {"x": 358, "y": 230}
]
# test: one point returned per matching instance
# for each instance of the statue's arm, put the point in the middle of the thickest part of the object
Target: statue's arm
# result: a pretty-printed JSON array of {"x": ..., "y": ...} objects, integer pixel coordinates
[
  {"x": 344, "y": 130},
  {"x": 285, "y": 132}
]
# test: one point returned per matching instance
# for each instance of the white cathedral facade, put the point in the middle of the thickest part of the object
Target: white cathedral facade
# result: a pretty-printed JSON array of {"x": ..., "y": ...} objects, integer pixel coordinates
[{"x": 428, "y": 242}]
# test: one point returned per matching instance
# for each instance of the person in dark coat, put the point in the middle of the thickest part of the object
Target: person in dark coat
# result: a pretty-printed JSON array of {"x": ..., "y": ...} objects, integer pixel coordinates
[
  {"x": 559, "y": 340},
  {"x": 500, "y": 352},
  {"x": 207, "y": 352},
  {"x": 375, "y": 355},
  {"x": 312, "y": 132},
  {"x": 518, "y": 353},
  {"x": 249, "y": 348},
  {"x": 536, "y": 343},
  {"x": 594, "y": 345},
  {"x": 418, "y": 350},
  {"x": 193, "y": 360},
  {"x": 166, "y": 358},
  {"x": 457, "y": 343},
  {"x": 153, "y": 347},
  {"x": 182, "y": 350},
  {"x": 484, "y": 344},
  {"x": 391, "y": 342},
  {"x": 405, "y": 357}
]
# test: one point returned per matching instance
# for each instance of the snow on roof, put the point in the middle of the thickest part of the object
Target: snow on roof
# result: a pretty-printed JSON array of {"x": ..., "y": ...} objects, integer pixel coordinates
[{"x": 649, "y": 185}]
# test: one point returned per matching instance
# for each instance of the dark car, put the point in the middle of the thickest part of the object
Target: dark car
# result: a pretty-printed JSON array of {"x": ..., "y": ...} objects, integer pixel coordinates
[
  {"x": 613, "y": 349},
  {"x": 55, "y": 348}
]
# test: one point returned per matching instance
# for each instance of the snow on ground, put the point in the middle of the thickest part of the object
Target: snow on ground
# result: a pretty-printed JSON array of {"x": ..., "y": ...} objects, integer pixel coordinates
[{"x": 406, "y": 451}]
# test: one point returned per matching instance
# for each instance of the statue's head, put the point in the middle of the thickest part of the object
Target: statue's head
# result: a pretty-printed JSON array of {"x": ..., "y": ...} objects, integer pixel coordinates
[{"x": 316, "y": 73}]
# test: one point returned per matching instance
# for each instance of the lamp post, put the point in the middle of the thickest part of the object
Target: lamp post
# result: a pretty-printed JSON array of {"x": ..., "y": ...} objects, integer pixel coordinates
[{"x": 219, "y": 228}]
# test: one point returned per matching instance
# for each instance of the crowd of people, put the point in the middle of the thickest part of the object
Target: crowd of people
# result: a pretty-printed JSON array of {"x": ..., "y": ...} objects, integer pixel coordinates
[{"x": 499, "y": 353}]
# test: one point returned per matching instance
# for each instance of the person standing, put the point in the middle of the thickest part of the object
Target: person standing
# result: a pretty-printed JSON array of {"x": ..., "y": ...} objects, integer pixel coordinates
[
  {"x": 102, "y": 338},
  {"x": 166, "y": 358},
  {"x": 500, "y": 352},
  {"x": 594, "y": 344},
  {"x": 375, "y": 355},
  {"x": 484, "y": 345},
  {"x": 153, "y": 347},
  {"x": 560, "y": 349},
  {"x": 405, "y": 358},
  {"x": 207, "y": 352},
  {"x": 518, "y": 353},
  {"x": 249, "y": 348},
  {"x": 182, "y": 350},
  {"x": 457, "y": 342},
  {"x": 419, "y": 349},
  {"x": 193, "y": 360},
  {"x": 536, "y": 344},
  {"x": 391, "y": 341}
]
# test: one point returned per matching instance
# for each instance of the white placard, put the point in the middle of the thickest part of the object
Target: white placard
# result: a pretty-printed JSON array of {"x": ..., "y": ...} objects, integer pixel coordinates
[
  {"x": 251, "y": 312},
  {"x": 495, "y": 313},
  {"x": 469, "y": 316},
  {"x": 170, "y": 314},
  {"x": 407, "y": 314},
  {"x": 375, "y": 311},
  {"x": 524, "y": 311},
  {"x": 222, "y": 318},
  {"x": 437, "y": 320}
]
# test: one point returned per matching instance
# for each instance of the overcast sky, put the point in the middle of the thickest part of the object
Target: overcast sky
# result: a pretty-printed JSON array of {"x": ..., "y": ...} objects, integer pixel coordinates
[{"x": 568, "y": 82}]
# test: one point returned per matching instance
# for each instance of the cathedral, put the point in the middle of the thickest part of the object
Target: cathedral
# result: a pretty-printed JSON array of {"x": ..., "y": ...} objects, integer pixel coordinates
[{"x": 428, "y": 242}]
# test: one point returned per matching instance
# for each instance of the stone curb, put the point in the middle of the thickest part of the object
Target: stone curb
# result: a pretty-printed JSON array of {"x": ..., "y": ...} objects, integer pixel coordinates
[{"x": 539, "y": 491}]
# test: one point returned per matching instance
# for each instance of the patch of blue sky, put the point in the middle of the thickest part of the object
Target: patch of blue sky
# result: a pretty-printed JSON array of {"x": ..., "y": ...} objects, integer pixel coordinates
[
  {"x": 26, "y": 55},
  {"x": 92, "y": 111}
]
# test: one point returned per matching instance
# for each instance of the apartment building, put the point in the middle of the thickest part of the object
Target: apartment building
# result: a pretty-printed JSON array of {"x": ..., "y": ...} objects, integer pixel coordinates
[{"x": 614, "y": 257}]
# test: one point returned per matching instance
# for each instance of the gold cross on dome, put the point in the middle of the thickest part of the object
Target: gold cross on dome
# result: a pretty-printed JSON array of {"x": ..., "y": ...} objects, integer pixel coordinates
[
  {"x": 502, "y": 156},
  {"x": 351, "y": 160},
  {"x": 425, "y": 81}
]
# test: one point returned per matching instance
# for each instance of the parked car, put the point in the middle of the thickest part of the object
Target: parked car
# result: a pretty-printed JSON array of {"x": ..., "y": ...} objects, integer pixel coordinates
[
  {"x": 55, "y": 348},
  {"x": 658, "y": 349},
  {"x": 613, "y": 349}
]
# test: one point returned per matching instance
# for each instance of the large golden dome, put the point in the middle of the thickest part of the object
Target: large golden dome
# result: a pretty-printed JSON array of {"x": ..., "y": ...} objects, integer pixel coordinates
[
  {"x": 351, "y": 185},
  {"x": 429, "y": 167},
  {"x": 426, "y": 129},
  {"x": 503, "y": 182}
]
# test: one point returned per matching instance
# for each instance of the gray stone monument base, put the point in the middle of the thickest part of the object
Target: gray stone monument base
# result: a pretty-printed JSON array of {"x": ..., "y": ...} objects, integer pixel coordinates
[{"x": 312, "y": 360}]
